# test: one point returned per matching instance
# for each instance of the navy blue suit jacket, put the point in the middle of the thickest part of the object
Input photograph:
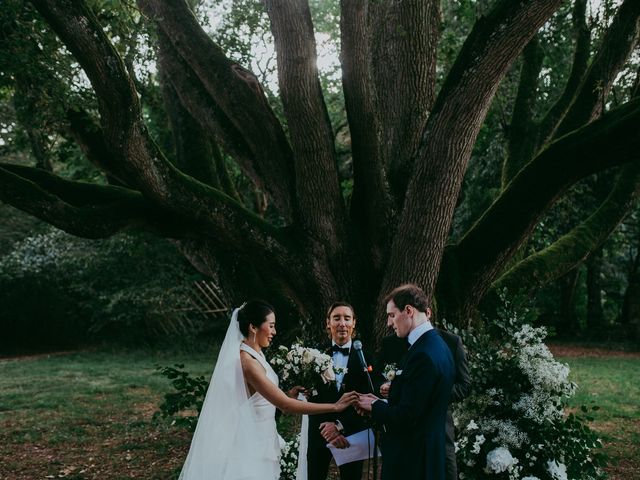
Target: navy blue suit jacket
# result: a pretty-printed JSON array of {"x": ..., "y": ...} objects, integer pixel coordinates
[{"x": 413, "y": 445}]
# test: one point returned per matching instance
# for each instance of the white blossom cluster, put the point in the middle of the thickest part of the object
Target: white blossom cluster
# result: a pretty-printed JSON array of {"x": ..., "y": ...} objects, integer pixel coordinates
[
  {"x": 390, "y": 372},
  {"x": 505, "y": 432},
  {"x": 522, "y": 393},
  {"x": 500, "y": 460},
  {"x": 304, "y": 366},
  {"x": 289, "y": 459},
  {"x": 557, "y": 470},
  {"x": 549, "y": 379},
  {"x": 33, "y": 254}
]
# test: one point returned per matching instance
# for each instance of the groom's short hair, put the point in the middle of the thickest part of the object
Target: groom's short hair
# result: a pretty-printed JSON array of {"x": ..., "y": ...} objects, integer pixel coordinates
[{"x": 408, "y": 294}]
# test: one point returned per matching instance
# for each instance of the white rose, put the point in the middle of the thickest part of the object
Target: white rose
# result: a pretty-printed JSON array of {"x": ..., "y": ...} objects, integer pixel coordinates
[
  {"x": 328, "y": 375},
  {"x": 307, "y": 357}
]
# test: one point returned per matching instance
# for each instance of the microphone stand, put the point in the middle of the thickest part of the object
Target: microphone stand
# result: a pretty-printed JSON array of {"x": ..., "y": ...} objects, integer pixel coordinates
[{"x": 363, "y": 363}]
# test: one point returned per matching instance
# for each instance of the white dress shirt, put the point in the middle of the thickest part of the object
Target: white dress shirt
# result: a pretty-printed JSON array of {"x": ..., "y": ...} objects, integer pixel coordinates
[
  {"x": 340, "y": 361},
  {"x": 417, "y": 332}
]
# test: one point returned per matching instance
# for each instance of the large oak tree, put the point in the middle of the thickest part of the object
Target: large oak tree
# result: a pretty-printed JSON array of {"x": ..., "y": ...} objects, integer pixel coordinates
[{"x": 411, "y": 143}]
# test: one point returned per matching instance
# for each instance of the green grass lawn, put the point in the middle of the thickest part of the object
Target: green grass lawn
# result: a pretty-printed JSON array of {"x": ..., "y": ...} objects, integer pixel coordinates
[
  {"x": 613, "y": 384},
  {"x": 89, "y": 415}
]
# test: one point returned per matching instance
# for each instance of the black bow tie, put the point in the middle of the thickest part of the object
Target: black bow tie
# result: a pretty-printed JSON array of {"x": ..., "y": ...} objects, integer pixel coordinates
[{"x": 342, "y": 350}]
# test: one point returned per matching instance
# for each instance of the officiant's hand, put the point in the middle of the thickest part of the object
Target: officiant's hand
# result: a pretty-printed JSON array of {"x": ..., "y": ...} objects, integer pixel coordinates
[
  {"x": 364, "y": 403},
  {"x": 340, "y": 442},
  {"x": 330, "y": 432}
]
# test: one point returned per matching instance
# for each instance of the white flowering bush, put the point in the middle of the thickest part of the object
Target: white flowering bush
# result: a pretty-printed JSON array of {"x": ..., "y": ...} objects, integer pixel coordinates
[
  {"x": 300, "y": 365},
  {"x": 289, "y": 459},
  {"x": 514, "y": 424}
]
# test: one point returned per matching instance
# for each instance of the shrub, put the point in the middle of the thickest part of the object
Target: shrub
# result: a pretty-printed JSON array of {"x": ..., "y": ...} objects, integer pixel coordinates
[
  {"x": 59, "y": 290},
  {"x": 514, "y": 425}
]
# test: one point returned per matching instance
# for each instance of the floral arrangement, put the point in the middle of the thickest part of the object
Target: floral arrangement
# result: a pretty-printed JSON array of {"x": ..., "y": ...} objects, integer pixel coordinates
[
  {"x": 300, "y": 365},
  {"x": 390, "y": 371},
  {"x": 514, "y": 424},
  {"x": 289, "y": 459}
]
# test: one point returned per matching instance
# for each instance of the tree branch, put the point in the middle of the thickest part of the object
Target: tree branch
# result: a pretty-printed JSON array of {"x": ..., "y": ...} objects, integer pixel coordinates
[
  {"x": 450, "y": 134},
  {"x": 88, "y": 135},
  {"x": 317, "y": 183},
  {"x": 484, "y": 251},
  {"x": 522, "y": 130},
  {"x": 135, "y": 154},
  {"x": 28, "y": 101},
  {"x": 371, "y": 206},
  {"x": 193, "y": 152},
  {"x": 617, "y": 45},
  {"x": 83, "y": 209},
  {"x": 579, "y": 66},
  {"x": 237, "y": 93},
  {"x": 573, "y": 248},
  {"x": 404, "y": 42},
  {"x": 197, "y": 101}
]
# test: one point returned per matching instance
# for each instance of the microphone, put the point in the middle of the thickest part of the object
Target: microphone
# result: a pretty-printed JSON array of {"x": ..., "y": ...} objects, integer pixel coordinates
[{"x": 357, "y": 346}]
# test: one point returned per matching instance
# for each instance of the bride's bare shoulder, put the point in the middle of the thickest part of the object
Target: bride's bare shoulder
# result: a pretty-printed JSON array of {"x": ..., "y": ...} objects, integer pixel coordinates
[{"x": 248, "y": 362}]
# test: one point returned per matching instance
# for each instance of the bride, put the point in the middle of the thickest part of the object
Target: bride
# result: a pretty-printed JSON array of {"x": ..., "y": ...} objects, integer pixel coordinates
[{"x": 236, "y": 436}]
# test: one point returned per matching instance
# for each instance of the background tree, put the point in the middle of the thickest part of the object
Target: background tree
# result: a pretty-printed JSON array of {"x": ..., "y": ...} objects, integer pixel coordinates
[{"x": 420, "y": 103}]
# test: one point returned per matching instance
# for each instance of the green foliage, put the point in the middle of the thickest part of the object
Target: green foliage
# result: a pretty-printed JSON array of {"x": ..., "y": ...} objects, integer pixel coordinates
[
  {"x": 188, "y": 396},
  {"x": 58, "y": 290}
]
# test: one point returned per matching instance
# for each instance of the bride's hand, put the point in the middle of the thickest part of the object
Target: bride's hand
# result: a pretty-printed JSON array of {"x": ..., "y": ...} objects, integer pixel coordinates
[
  {"x": 345, "y": 401},
  {"x": 295, "y": 391}
]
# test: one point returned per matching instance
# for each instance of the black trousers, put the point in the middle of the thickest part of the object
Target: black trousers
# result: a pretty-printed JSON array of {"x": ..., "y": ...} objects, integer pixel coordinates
[{"x": 318, "y": 460}]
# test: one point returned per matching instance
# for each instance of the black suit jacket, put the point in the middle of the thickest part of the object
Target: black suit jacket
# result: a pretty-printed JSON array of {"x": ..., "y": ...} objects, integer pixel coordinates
[
  {"x": 354, "y": 379},
  {"x": 415, "y": 416},
  {"x": 393, "y": 350}
]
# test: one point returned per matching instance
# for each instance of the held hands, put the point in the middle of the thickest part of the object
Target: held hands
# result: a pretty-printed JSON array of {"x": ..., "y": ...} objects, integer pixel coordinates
[
  {"x": 365, "y": 400},
  {"x": 347, "y": 399},
  {"x": 330, "y": 433}
]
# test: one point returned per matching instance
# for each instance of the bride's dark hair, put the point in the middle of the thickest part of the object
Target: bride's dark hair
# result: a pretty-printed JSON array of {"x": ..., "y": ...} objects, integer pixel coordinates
[{"x": 253, "y": 313}]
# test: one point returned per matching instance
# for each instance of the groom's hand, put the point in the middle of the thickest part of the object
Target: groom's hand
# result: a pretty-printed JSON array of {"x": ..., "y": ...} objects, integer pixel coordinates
[
  {"x": 384, "y": 389},
  {"x": 364, "y": 403}
]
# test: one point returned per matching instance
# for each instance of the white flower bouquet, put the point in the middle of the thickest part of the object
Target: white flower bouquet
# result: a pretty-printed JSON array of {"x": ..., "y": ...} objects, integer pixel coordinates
[{"x": 300, "y": 365}]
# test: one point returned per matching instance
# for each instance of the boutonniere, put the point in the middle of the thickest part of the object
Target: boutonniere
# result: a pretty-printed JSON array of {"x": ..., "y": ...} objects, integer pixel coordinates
[{"x": 390, "y": 372}]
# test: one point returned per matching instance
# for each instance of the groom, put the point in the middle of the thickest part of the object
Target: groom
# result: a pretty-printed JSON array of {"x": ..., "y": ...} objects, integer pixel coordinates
[
  {"x": 333, "y": 428},
  {"x": 413, "y": 446}
]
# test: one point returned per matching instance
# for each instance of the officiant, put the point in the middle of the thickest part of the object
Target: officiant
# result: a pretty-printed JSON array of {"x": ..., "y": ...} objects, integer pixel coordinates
[{"x": 334, "y": 428}]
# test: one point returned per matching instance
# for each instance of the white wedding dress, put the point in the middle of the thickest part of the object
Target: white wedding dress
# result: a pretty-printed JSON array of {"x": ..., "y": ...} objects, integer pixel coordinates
[{"x": 236, "y": 436}]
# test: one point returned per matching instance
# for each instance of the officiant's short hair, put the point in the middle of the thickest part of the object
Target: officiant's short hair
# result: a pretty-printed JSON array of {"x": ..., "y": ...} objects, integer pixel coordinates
[{"x": 408, "y": 294}]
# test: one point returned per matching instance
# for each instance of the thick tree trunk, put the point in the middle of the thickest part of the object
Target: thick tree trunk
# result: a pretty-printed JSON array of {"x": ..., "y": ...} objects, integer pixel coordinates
[
  {"x": 568, "y": 319},
  {"x": 309, "y": 252},
  {"x": 595, "y": 313},
  {"x": 630, "y": 316}
]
